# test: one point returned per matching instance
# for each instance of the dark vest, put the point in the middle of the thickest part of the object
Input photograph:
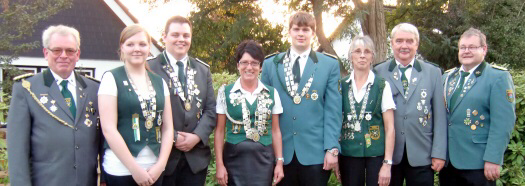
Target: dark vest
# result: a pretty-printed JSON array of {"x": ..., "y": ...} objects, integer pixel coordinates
[
  {"x": 128, "y": 104},
  {"x": 357, "y": 147},
  {"x": 235, "y": 113}
]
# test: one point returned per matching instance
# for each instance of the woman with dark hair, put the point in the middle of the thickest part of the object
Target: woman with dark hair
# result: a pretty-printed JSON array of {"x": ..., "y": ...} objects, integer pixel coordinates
[
  {"x": 135, "y": 121},
  {"x": 248, "y": 112}
]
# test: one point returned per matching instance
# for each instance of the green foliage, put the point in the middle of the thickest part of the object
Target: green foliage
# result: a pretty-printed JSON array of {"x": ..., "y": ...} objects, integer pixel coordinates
[
  {"x": 220, "y": 25},
  {"x": 17, "y": 22},
  {"x": 441, "y": 22},
  {"x": 219, "y": 79},
  {"x": 514, "y": 161}
]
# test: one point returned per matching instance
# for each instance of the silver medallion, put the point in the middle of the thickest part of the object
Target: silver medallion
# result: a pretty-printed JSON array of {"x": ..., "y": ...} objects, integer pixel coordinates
[
  {"x": 43, "y": 99},
  {"x": 368, "y": 116}
]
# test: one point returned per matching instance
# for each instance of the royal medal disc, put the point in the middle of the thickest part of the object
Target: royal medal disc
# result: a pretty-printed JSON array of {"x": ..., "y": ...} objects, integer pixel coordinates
[
  {"x": 149, "y": 124},
  {"x": 297, "y": 99},
  {"x": 187, "y": 106},
  {"x": 368, "y": 116}
]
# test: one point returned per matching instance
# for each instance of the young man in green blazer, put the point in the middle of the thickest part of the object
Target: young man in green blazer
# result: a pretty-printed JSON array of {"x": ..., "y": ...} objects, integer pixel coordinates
[{"x": 307, "y": 82}]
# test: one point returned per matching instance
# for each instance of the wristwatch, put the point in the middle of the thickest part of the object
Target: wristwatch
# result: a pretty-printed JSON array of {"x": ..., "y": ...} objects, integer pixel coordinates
[
  {"x": 388, "y": 162},
  {"x": 279, "y": 159},
  {"x": 334, "y": 152}
]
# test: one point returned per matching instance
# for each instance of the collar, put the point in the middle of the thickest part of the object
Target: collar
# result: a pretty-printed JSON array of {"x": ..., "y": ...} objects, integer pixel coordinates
[
  {"x": 237, "y": 86},
  {"x": 370, "y": 79},
  {"x": 173, "y": 61},
  {"x": 70, "y": 79},
  {"x": 471, "y": 71},
  {"x": 411, "y": 63},
  {"x": 303, "y": 55},
  {"x": 280, "y": 57}
]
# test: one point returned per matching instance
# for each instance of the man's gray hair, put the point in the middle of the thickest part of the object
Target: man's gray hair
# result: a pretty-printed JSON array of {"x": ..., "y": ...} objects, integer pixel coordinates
[
  {"x": 62, "y": 30},
  {"x": 405, "y": 27}
]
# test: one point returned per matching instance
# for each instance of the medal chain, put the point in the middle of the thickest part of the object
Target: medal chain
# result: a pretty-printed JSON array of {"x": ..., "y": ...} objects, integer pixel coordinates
[
  {"x": 357, "y": 121},
  {"x": 147, "y": 112},
  {"x": 290, "y": 83}
]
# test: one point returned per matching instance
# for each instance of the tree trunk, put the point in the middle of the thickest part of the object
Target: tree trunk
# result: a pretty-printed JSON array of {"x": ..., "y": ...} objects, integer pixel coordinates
[
  {"x": 317, "y": 6},
  {"x": 374, "y": 26}
]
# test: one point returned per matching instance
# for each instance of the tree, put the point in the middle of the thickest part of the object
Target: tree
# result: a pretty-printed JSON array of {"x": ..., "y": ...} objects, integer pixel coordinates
[
  {"x": 441, "y": 22},
  {"x": 220, "y": 25},
  {"x": 17, "y": 20}
]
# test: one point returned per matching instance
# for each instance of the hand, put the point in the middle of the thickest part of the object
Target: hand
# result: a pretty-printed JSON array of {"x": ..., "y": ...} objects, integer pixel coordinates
[
  {"x": 329, "y": 161},
  {"x": 337, "y": 173},
  {"x": 278, "y": 173},
  {"x": 437, "y": 164},
  {"x": 384, "y": 175},
  {"x": 141, "y": 176},
  {"x": 155, "y": 171},
  {"x": 492, "y": 171},
  {"x": 222, "y": 175},
  {"x": 190, "y": 140},
  {"x": 180, "y": 139}
]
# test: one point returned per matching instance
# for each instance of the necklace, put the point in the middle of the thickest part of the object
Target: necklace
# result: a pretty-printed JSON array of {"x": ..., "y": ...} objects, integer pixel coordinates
[
  {"x": 353, "y": 121},
  {"x": 291, "y": 86},
  {"x": 148, "y": 103}
]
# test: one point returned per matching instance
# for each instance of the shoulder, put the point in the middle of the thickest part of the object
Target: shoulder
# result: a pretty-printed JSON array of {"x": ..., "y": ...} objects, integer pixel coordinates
[
  {"x": 325, "y": 57},
  {"x": 200, "y": 63},
  {"x": 382, "y": 63},
  {"x": 430, "y": 65},
  {"x": 273, "y": 58},
  {"x": 500, "y": 68},
  {"x": 89, "y": 78},
  {"x": 451, "y": 70},
  {"x": 271, "y": 55},
  {"x": 23, "y": 76},
  {"x": 344, "y": 79}
]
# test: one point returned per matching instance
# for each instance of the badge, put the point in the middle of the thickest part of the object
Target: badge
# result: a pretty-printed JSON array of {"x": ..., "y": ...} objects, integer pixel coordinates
[
  {"x": 314, "y": 95},
  {"x": 414, "y": 80},
  {"x": 198, "y": 115},
  {"x": 125, "y": 83},
  {"x": 510, "y": 96},
  {"x": 468, "y": 113},
  {"x": 88, "y": 122},
  {"x": 477, "y": 122},
  {"x": 198, "y": 104},
  {"x": 53, "y": 108},
  {"x": 357, "y": 126},
  {"x": 475, "y": 112},
  {"x": 425, "y": 110},
  {"x": 159, "y": 120},
  {"x": 421, "y": 120},
  {"x": 187, "y": 106},
  {"x": 307, "y": 96},
  {"x": 368, "y": 141},
  {"x": 467, "y": 121},
  {"x": 148, "y": 124},
  {"x": 256, "y": 136},
  {"x": 158, "y": 134},
  {"x": 473, "y": 127},
  {"x": 368, "y": 116},
  {"x": 297, "y": 99},
  {"x": 482, "y": 117},
  {"x": 424, "y": 123},
  {"x": 135, "y": 126},
  {"x": 423, "y": 93},
  {"x": 43, "y": 99},
  {"x": 68, "y": 101},
  {"x": 423, "y": 101},
  {"x": 374, "y": 132},
  {"x": 196, "y": 91},
  {"x": 395, "y": 76},
  {"x": 419, "y": 107}
]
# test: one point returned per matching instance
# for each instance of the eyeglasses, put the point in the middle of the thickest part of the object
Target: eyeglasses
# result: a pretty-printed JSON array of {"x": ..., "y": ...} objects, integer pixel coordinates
[
  {"x": 470, "y": 48},
  {"x": 359, "y": 52},
  {"x": 59, "y": 51},
  {"x": 252, "y": 63}
]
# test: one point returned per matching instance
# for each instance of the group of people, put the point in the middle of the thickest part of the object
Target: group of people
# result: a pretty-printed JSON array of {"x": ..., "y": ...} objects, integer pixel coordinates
[{"x": 289, "y": 119}]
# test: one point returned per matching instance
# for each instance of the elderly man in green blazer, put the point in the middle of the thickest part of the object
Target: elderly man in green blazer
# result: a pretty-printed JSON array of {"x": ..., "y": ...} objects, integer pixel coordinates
[
  {"x": 307, "y": 82},
  {"x": 481, "y": 115}
]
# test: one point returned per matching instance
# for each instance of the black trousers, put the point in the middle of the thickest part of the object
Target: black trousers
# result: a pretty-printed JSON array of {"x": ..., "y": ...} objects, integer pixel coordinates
[
  {"x": 127, "y": 180},
  {"x": 304, "y": 175},
  {"x": 414, "y": 176},
  {"x": 183, "y": 176},
  {"x": 356, "y": 171},
  {"x": 451, "y": 176}
]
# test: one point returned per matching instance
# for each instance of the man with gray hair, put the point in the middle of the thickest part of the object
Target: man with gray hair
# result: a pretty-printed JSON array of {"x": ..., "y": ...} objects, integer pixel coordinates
[
  {"x": 420, "y": 117},
  {"x": 52, "y": 125}
]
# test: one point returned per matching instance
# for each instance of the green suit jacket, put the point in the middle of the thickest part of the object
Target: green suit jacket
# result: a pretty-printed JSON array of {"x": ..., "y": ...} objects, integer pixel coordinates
[
  {"x": 313, "y": 126},
  {"x": 488, "y": 98}
]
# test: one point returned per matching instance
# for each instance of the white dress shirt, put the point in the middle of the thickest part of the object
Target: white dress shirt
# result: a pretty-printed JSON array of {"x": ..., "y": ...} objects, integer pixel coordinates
[
  {"x": 173, "y": 62},
  {"x": 71, "y": 84},
  {"x": 408, "y": 72},
  {"x": 387, "y": 101},
  {"x": 302, "y": 60},
  {"x": 251, "y": 97}
]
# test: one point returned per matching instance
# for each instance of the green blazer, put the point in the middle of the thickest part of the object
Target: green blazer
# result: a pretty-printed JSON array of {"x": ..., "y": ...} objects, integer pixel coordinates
[
  {"x": 310, "y": 128},
  {"x": 488, "y": 99}
]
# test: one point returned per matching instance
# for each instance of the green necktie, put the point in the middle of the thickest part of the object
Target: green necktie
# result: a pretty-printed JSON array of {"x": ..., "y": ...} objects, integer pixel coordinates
[
  {"x": 68, "y": 97},
  {"x": 182, "y": 78},
  {"x": 296, "y": 69},
  {"x": 457, "y": 92},
  {"x": 404, "y": 79}
]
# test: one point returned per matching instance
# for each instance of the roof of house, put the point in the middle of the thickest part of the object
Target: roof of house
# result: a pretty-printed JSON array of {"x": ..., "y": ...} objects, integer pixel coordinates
[{"x": 98, "y": 25}]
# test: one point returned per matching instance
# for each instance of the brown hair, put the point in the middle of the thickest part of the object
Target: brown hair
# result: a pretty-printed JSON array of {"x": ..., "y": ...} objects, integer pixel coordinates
[
  {"x": 302, "y": 18},
  {"x": 475, "y": 32},
  {"x": 130, "y": 31},
  {"x": 251, "y": 47},
  {"x": 176, "y": 19}
]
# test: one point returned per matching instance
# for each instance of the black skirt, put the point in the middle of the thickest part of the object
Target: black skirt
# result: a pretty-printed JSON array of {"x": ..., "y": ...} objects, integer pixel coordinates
[{"x": 249, "y": 163}]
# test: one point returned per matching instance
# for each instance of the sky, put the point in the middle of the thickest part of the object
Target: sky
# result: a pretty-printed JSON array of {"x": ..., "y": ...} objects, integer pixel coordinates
[{"x": 155, "y": 19}]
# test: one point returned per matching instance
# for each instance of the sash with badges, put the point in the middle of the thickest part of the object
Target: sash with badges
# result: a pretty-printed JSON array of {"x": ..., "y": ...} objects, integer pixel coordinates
[
  {"x": 177, "y": 87},
  {"x": 291, "y": 86}
]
